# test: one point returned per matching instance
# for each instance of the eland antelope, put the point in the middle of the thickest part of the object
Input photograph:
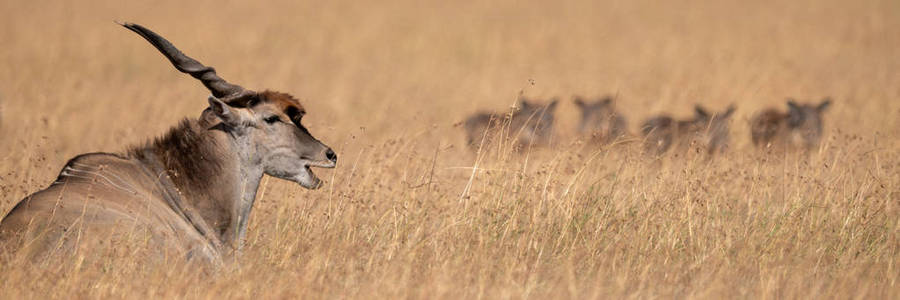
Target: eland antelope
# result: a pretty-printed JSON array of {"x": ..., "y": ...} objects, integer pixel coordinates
[
  {"x": 801, "y": 126},
  {"x": 191, "y": 190},
  {"x": 529, "y": 124},
  {"x": 706, "y": 130}
]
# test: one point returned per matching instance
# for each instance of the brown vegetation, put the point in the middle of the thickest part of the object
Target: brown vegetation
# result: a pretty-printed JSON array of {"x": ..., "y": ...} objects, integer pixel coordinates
[{"x": 411, "y": 212}]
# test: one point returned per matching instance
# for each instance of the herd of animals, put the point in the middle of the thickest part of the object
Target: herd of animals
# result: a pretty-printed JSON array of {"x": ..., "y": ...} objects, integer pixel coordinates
[
  {"x": 191, "y": 190},
  {"x": 531, "y": 124}
]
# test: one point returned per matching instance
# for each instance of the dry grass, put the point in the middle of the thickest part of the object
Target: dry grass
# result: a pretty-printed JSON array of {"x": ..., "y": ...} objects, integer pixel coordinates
[{"x": 405, "y": 216}]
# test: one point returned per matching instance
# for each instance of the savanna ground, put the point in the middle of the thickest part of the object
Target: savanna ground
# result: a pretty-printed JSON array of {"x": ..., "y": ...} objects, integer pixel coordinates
[{"x": 405, "y": 216}]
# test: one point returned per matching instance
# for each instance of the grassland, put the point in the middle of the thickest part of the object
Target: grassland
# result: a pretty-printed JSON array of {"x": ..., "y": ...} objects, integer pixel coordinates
[{"x": 405, "y": 216}]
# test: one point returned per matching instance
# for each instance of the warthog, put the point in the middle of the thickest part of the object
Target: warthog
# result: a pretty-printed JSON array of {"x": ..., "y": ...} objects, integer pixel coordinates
[
  {"x": 191, "y": 190},
  {"x": 706, "y": 131},
  {"x": 600, "y": 121},
  {"x": 529, "y": 124},
  {"x": 801, "y": 126}
]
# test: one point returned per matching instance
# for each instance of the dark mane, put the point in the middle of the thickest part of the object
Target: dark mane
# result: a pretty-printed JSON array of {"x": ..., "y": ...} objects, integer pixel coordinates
[{"x": 187, "y": 155}]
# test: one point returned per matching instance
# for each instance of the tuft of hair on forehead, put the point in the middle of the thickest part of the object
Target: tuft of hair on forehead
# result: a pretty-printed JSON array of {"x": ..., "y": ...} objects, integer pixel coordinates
[{"x": 287, "y": 103}]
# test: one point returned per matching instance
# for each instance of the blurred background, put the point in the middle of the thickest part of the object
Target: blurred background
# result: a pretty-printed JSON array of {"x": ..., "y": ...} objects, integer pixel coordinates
[{"x": 383, "y": 65}]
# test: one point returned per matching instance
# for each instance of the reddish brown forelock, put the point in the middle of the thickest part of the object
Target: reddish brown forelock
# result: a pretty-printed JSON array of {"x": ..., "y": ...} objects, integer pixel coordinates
[
  {"x": 286, "y": 103},
  {"x": 282, "y": 100}
]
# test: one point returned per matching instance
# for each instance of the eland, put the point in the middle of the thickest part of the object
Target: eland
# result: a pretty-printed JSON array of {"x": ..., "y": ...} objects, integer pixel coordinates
[{"x": 191, "y": 190}]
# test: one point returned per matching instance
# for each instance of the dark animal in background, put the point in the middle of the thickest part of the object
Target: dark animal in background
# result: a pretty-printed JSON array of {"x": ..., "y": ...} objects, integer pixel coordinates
[
  {"x": 714, "y": 133},
  {"x": 600, "y": 120},
  {"x": 658, "y": 134},
  {"x": 531, "y": 123},
  {"x": 801, "y": 126},
  {"x": 708, "y": 131}
]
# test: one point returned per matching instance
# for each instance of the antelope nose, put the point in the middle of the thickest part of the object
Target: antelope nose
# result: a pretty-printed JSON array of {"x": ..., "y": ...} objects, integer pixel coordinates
[{"x": 331, "y": 156}]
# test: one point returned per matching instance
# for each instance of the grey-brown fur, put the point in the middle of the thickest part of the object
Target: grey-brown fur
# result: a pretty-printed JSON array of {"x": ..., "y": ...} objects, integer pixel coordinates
[
  {"x": 801, "y": 126},
  {"x": 705, "y": 130},
  {"x": 600, "y": 121},
  {"x": 530, "y": 124}
]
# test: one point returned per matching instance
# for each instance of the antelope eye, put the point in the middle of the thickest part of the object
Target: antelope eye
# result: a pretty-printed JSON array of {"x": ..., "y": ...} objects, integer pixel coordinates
[{"x": 272, "y": 119}]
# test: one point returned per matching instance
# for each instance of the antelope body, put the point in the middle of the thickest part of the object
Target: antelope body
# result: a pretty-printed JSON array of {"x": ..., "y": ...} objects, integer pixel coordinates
[
  {"x": 191, "y": 190},
  {"x": 708, "y": 131},
  {"x": 800, "y": 127},
  {"x": 530, "y": 124}
]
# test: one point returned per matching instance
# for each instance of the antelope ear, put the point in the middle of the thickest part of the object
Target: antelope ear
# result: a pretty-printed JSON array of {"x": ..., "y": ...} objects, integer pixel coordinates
[
  {"x": 825, "y": 103},
  {"x": 225, "y": 113}
]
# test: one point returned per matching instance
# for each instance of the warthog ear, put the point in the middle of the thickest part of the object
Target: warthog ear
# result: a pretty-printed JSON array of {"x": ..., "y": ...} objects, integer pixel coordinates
[
  {"x": 795, "y": 113},
  {"x": 606, "y": 100},
  {"x": 824, "y": 105},
  {"x": 729, "y": 111},
  {"x": 700, "y": 112},
  {"x": 552, "y": 106},
  {"x": 579, "y": 102},
  {"x": 792, "y": 104},
  {"x": 227, "y": 114},
  {"x": 523, "y": 103}
]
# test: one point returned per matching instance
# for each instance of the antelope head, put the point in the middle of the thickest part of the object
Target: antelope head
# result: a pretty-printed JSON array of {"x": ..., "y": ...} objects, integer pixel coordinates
[{"x": 265, "y": 126}]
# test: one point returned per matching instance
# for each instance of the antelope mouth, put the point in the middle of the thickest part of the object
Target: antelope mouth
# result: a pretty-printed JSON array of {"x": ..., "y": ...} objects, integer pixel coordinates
[
  {"x": 321, "y": 164},
  {"x": 309, "y": 179}
]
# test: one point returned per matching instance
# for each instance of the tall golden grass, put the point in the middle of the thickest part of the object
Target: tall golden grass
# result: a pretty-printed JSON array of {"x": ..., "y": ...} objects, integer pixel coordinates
[{"x": 405, "y": 214}]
